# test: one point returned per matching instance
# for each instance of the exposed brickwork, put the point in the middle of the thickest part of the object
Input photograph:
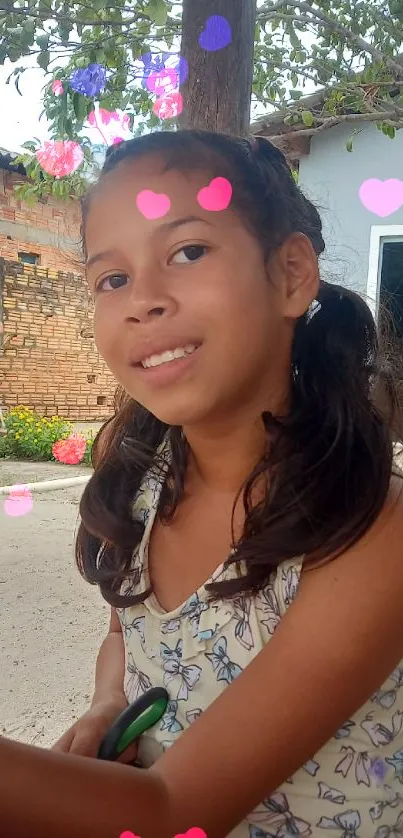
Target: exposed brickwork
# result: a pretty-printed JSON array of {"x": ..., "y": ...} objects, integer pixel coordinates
[
  {"x": 61, "y": 218},
  {"x": 48, "y": 360}
]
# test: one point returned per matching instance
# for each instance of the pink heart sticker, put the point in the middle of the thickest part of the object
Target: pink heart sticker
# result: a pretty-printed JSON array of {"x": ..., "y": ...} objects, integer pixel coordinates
[
  {"x": 195, "y": 832},
  {"x": 152, "y": 204},
  {"x": 128, "y": 834},
  {"x": 216, "y": 196},
  {"x": 19, "y": 501},
  {"x": 382, "y": 197}
]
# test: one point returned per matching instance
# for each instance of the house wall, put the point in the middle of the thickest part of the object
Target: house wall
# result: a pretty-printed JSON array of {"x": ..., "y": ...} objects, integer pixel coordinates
[
  {"x": 48, "y": 360},
  {"x": 331, "y": 176},
  {"x": 51, "y": 228}
]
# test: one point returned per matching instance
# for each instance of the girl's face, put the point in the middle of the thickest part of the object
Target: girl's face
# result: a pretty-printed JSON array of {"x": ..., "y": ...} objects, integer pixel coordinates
[{"x": 188, "y": 316}]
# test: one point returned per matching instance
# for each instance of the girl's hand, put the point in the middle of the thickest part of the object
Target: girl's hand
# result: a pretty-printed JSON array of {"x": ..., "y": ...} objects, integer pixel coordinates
[{"x": 84, "y": 737}]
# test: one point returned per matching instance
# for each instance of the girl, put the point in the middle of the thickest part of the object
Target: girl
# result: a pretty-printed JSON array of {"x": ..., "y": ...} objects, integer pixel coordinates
[{"x": 247, "y": 451}]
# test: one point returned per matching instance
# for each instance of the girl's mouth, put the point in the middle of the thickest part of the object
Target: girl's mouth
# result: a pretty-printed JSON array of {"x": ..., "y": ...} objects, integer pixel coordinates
[
  {"x": 169, "y": 355},
  {"x": 169, "y": 366}
]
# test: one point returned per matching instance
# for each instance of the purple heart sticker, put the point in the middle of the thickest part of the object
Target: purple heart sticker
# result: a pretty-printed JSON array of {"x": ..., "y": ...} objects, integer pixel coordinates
[{"x": 216, "y": 35}]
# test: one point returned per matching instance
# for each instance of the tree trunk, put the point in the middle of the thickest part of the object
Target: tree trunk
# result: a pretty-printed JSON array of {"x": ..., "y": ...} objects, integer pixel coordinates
[{"x": 217, "y": 93}]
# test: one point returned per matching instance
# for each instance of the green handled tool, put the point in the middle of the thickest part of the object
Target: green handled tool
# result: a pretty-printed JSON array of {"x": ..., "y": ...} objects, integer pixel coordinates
[{"x": 138, "y": 717}]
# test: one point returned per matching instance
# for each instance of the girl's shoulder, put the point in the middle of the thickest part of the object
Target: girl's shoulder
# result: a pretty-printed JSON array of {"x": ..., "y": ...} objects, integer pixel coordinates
[{"x": 148, "y": 494}]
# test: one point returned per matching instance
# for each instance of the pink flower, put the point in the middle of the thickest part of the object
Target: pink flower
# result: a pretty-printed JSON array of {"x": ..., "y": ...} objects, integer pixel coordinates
[
  {"x": 57, "y": 87},
  {"x": 60, "y": 157},
  {"x": 70, "y": 450}
]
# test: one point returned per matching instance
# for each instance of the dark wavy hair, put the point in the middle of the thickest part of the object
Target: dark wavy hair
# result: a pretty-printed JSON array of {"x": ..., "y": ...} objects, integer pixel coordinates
[{"x": 330, "y": 459}]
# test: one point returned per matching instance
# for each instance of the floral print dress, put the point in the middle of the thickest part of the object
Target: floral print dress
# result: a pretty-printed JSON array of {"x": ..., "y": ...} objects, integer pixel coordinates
[{"x": 352, "y": 788}]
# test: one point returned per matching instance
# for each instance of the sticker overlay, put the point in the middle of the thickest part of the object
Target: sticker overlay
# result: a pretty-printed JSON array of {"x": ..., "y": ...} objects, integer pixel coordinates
[
  {"x": 216, "y": 35},
  {"x": 152, "y": 204},
  {"x": 382, "y": 197},
  {"x": 19, "y": 501},
  {"x": 215, "y": 197},
  {"x": 195, "y": 832}
]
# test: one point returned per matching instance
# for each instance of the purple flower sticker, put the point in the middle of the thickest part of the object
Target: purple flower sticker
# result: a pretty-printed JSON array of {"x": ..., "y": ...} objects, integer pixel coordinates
[
  {"x": 90, "y": 81},
  {"x": 216, "y": 35}
]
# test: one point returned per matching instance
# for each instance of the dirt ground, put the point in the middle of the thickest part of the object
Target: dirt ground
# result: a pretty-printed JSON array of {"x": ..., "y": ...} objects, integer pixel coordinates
[{"x": 52, "y": 622}]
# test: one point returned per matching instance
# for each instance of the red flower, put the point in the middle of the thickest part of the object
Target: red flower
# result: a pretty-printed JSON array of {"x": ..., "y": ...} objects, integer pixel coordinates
[{"x": 70, "y": 450}]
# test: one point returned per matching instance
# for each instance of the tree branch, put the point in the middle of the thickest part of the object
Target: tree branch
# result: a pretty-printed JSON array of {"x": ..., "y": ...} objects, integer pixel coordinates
[
  {"x": 319, "y": 18},
  {"x": 47, "y": 16},
  {"x": 331, "y": 122}
]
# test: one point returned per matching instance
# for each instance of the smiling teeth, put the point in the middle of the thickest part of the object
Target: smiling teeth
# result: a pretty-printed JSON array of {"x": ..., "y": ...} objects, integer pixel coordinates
[{"x": 171, "y": 355}]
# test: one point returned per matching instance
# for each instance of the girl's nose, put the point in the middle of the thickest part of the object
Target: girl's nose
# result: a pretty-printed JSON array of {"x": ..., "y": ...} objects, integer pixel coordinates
[
  {"x": 148, "y": 297},
  {"x": 142, "y": 310}
]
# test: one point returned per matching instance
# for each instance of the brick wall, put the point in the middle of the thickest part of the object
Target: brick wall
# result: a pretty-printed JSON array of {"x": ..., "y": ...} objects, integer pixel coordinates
[
  {"x": 48, "y": 360},
  {"x": 51, "y": 228}
]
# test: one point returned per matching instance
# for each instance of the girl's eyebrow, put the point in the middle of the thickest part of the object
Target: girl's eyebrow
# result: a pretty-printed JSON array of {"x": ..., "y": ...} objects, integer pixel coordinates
[
  {"x": 168, "y": 225},
  {"x": 98, "y": 257},
  {"x": 171, "y": 225}
]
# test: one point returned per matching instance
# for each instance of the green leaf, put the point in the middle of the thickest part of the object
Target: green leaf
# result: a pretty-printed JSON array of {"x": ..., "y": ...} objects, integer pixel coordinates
[
  {"x": 64, "y": 30},
  {"x": 80, "y": 106},
  {"x": 349, "y": 144},
  {"x": 157, "y": 11},
  {"x": 307, "y": 118},
  {"x": 14, "y": 54},
  {"x": 295, "y": 42},
  {"x": 29, "y": 145},
  {"x": 42, "y": 41},
  {"x": 43, "y": 59}
]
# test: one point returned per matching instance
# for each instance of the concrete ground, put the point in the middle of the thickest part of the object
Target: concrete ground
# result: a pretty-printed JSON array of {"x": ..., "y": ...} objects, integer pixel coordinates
[
  {"x": 87, "y": 427},
  {"x": 52, "y": 620}
]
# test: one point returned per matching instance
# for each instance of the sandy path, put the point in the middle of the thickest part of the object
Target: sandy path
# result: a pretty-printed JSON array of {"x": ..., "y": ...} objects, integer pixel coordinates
[{"x": 52, "y": 621}]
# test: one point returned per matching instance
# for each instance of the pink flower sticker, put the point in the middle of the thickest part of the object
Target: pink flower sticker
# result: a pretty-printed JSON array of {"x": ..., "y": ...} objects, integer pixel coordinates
[
  {"x": 57, "y": 87},
  {"x": 153, "y": 204},
  {"x": 195, "y": 832},
  {"x": 163, "y": 82},
  {"x": 114, "y": 127},
  {"x": 169, "y": 106},
  {"x": 60, "y": 158},
  {"x": 70, "y": 450},
  {"x": 19, "y": 501},
  {"x": 216, "y": 196}
]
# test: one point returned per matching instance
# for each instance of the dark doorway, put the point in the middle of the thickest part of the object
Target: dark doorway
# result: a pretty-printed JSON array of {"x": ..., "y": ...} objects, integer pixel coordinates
[
  {"x": 391, "y": 293},
  {"x": 391, "y": 299}
]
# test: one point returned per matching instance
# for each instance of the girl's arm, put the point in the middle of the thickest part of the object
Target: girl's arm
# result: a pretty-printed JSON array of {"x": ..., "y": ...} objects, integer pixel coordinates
[
  {"x": 110, "y": 667},
  {"x": 85, "y": 735},
  {"x": 338, "y": 642}
]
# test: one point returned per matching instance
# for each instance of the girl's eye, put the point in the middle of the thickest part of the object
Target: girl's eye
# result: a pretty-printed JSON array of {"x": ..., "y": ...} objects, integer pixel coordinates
[
  {"x": 190, "y": 253},
  {"x": 115, "y": 280}
]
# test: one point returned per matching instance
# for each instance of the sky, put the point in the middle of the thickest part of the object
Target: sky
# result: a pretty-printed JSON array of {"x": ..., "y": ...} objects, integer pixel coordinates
[{"x": 20, "y": 115}]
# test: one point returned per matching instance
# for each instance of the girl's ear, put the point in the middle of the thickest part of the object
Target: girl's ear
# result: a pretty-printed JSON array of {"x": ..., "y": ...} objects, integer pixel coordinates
[{"x": 295, "y": 264}]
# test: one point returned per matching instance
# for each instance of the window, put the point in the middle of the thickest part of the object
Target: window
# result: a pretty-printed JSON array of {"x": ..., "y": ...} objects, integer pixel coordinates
[
  {"x": 385, "y": 275},
  {"x": 28, "y": 258}
]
